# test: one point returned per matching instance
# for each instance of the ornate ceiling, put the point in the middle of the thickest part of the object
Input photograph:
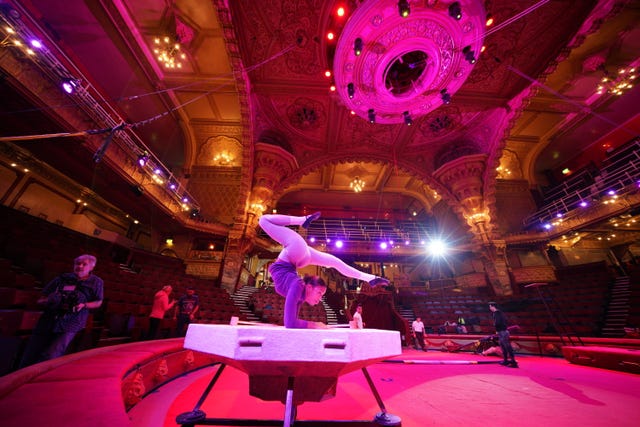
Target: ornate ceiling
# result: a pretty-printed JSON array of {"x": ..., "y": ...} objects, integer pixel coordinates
[{"x": 254, "y": 72}]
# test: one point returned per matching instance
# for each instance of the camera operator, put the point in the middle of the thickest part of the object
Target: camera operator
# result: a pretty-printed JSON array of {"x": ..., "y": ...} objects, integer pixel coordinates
[{"x": 67, "y": 300}]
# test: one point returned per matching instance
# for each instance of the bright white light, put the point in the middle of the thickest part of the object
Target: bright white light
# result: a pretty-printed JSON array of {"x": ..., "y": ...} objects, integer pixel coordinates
[
  {"x": 339, "y": 243},
  {"x": 437, "y": 248},
  {"x": 383, "y": 245}
]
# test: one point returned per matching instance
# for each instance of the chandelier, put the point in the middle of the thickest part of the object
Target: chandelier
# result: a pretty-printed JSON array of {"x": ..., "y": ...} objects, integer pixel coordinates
[
  {"x": 357, "y": 185},
  {"x": 619, "y": 83},
  {"x": 168, "y": 53}
]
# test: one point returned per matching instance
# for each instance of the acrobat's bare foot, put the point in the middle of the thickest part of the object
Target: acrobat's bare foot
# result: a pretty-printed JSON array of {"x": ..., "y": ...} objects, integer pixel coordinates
[
  {"x": 310, "y": 219},
  {"x": 379, "y": 281}
]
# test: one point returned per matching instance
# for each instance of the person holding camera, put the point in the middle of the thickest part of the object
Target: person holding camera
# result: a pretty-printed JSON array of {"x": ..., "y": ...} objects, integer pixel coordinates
[{"x": 67, "y": 300}]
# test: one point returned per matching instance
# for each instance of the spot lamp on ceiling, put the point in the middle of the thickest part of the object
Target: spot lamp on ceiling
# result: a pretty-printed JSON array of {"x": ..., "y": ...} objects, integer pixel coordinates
[
  {"x": 455, "y": 11},
  {"x": 407, "y": 118},
  {"x": 357, "y": 46},
  {"x": 69, "y": 85},
  {"x": 469, "y": 55},
  {"x": 403, "y": 8},
  {"x": 351, "y": 90},
  {"x": 143, "y": 159},
  {"x": 371, "y": 115},
  {"x": 445, "y": 96}
]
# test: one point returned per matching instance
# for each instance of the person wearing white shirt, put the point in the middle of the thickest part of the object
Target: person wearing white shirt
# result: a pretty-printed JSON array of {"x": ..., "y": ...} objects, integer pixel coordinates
[
  {"x": 418, "y": 333},
  {"x": 357, "y": 318}
]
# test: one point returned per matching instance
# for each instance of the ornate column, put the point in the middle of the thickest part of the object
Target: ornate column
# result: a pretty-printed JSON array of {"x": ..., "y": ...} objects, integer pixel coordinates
[
  {"x": 272, "y": 165},
  {"x": 463, "y": 177}
]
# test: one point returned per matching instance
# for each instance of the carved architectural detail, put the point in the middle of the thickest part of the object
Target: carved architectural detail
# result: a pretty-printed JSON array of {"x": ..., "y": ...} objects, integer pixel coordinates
[{"x": 463, "y": 177}]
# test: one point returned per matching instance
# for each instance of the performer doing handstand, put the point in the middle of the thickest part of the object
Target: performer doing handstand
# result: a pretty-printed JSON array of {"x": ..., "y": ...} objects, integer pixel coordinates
[{"x": 296, "y": 254}]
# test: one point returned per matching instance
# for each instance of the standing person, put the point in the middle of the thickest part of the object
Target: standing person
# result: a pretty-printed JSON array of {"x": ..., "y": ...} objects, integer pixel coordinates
[
  {"x": 418, "y": 333},
  {"x": 68, "y": 299},
  {"x": 296, "y": 254},
  {"x": 500, "y": 323},
  {"x": 357, "y": 318},
  {"x": 186, "y": 309},
  {"x": 160, "y": 306}
]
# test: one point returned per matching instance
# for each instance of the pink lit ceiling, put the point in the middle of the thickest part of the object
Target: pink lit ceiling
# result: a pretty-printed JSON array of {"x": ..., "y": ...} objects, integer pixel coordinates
[{"x": 256, "y": 70}]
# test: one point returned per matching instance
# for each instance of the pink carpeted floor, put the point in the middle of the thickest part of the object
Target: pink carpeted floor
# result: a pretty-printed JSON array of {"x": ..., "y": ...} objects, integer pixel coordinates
[{"x": 440, "y": 390}]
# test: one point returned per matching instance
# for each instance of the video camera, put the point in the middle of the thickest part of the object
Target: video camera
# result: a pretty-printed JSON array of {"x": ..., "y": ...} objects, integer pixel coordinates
[{"x": 65, "y": 299}]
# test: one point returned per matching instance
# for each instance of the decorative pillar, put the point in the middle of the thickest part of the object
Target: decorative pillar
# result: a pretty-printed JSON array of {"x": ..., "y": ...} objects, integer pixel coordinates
[
  {"x": 272, "y": 165},
  {"x": 464, "y": 178}
]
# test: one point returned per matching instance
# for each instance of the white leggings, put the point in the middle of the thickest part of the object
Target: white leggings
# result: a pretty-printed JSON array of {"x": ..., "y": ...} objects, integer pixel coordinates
[{"x": 296, "y": 251}]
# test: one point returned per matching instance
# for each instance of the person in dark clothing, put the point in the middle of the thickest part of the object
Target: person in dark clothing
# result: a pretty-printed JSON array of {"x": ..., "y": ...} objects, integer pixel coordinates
[
  {"x": 67, "y": 300},
  {"x": 500, "y": 323},
  {"x": 186, "y": 309}
]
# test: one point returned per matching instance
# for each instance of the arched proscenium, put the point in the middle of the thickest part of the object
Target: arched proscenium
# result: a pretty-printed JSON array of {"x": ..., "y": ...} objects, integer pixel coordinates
[{"x": 405, "y": 63}]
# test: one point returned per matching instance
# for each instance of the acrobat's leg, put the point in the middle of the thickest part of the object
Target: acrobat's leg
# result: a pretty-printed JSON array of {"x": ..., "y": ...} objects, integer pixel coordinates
[
  {"x": 327, "y": 260},
  {"x": 295, "y": 249}
]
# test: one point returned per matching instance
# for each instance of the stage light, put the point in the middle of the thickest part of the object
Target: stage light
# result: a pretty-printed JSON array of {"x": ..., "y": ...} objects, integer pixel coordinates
[
  {"x": 406, "y": 242},
  {"x": 547, "y": 226},
  {"x": 327, "y": 73},
  {"x": 351, "y": 90},
  {"x": 69, "y": 85},
  {"x": 383, "y": 245},
  {"x": 339, "y": 243},
  {"x": 403, "y": 8},
  {"x": 455, "y": 11},
  {"x": 469, "y": 55},
  {"x": 357, "y": 46},
  {"x": 371, "y": 115},
  {"x": 143, "y": 159},
  {"x": 489, "y": 22},
  {"x": 312, "y": 239},
  {"x": 445, "y": 96},
  {"x": 173, "y": 186},
  {"x": 340, "y": 11},
  {"x": 194, "y": 213},
  {"x": 407, "y": 118},
  {"x": 583, "y": 204},
  {"x": 36, "y": 44},
  {"x": 437, "y": 248}
]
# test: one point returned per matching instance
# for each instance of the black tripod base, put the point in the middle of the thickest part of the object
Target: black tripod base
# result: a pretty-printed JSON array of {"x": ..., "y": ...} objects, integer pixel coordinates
[
  {"x": 191, "y": 417},
  {"x": 386, "y": 419}
]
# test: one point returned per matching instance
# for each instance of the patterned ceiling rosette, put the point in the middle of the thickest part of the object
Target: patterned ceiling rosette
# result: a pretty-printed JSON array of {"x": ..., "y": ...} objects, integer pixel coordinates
[{"x": 405, "y": 64}]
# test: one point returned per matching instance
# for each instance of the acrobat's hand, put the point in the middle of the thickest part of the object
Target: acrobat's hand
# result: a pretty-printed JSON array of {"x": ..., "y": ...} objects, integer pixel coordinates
[{"x": 318, "y": 325}]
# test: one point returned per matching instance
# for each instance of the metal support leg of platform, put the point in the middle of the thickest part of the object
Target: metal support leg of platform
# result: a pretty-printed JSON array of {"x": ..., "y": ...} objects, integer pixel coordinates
[
  {"x": 382, "y": 417},
  {"x": 199, "y": 417}
]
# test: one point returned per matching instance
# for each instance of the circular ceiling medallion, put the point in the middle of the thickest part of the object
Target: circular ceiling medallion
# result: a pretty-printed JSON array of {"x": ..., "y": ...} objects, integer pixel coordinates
[{"x": 388, "y": 67}]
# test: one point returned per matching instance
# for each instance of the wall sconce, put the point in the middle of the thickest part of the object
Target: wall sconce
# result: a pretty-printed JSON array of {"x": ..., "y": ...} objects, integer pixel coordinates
[{"x": 223, "y": 159}]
